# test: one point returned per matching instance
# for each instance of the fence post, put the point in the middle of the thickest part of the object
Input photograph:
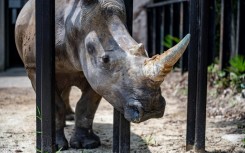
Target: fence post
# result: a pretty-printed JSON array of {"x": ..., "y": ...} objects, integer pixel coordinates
[
  {"x": 45, "y": 66},
  {"x": 212, "y": 29},
  {"x": 184, "y": 29},
  {"x": 192, "y": 66},
  {"x": 121, "y": 127},
  {"x": 225, "y": 32},
  {"x": 149, "y": 31},
  {"x": 202, "y": 77},
  {"x": 240, "y": 39}
]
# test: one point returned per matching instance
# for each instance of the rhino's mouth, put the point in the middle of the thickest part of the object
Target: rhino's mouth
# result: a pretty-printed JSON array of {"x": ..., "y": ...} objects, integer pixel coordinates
[{"x": 135, "y": 113}]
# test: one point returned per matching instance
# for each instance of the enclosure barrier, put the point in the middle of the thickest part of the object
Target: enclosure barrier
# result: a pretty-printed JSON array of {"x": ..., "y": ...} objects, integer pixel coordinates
[{"x": 174, "y": 17}]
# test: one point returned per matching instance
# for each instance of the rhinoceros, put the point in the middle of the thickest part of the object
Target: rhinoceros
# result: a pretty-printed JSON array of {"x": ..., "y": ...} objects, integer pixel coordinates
[{"x": 95, "y": 52}]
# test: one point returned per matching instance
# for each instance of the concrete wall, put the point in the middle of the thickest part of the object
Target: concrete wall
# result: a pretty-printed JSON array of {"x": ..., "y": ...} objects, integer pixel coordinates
[
  {"x": 140, "y": 21},
  {"x": 2, "y": 35}
]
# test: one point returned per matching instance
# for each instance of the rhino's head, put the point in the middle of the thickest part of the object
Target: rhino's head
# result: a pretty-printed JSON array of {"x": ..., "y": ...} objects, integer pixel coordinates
[{"x": 117, "y": 67}]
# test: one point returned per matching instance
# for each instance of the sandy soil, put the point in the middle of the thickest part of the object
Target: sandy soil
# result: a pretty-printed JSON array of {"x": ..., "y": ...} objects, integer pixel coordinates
[{"x": 165, "y": 135}]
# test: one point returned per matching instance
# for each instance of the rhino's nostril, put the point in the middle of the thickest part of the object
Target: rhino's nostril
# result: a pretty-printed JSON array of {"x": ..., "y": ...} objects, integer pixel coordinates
[{"x": 134, "y": 111}]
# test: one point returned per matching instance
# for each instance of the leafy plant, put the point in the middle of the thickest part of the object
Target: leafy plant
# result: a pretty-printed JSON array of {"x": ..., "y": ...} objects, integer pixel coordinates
[
  {"x": 237, "y": 65},
  {"x": 232, "y": 77},
  {"x": 237, "y": 72},
  {"x": 168, "y": 41}
]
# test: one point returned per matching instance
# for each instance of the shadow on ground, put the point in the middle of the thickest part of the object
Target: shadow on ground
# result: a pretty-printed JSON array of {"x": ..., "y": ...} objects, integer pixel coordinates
[{"x": 105, "y": 132}]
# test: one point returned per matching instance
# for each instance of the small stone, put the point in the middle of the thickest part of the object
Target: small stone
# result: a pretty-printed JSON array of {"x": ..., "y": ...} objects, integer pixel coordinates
[
  {"x": 243, "y": 93},
  {"x": 234, "y": 138}
]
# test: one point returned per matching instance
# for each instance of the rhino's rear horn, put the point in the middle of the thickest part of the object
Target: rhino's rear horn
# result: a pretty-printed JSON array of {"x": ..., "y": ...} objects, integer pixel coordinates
[{"x": 138, "y": 50}]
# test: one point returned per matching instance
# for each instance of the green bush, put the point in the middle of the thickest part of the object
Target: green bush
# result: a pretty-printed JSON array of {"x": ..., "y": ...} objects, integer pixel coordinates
[{"x": 232, "y": 77}]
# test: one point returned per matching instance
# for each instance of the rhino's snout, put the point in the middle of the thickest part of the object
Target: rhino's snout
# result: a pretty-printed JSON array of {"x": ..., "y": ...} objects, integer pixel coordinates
[{"x": 134, "y": 112}]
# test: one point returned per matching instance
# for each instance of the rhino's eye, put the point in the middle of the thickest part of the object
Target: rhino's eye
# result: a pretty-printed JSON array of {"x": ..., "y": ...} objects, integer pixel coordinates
[
  {"x": 106, "y": 59},
  {"x": 90, "y": 48}
]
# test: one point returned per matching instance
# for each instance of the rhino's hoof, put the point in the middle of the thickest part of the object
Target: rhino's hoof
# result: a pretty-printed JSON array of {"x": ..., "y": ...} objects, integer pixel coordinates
[
  {"x": 84, "y": 139},
  {"x": 61, "y": 142}
]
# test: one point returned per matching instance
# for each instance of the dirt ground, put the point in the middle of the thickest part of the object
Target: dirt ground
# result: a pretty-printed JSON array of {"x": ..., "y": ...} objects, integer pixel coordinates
[{"x": 225, "y": 116}]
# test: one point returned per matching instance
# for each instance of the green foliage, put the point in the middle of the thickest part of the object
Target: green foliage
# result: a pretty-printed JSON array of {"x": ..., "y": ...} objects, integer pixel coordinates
[
  {"x": 168, "y": 41},
  {"x": 237, "y": 65},
  {"x": 232, "y": 77}
]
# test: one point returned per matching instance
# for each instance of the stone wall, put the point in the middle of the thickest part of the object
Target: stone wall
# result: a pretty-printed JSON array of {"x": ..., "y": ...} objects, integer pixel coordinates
[{"x": 140, "y": 21}]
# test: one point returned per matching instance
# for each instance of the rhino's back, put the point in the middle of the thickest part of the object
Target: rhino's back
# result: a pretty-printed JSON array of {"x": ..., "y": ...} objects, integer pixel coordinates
[{"x": 25, "y": 33}]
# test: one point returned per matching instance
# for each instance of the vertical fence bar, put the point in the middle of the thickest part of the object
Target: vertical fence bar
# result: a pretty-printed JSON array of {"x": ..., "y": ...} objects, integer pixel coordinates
[
  {"x": 162, "y": 28},
  {"x": 116, "y": 130},
  {"x": 2, "y": 34},
  {"x": 158, "y": 21},
  {"x": 185, "y": 30},
  {"x": 125, "y": 124},
  {"x": 202, "y": 78},
  {"x": 225, "y": 32},
  {"x": 149, "y": 31},
  {"x": 211, "y": 46},
  {"x": 176, "y": 21},
  {"x": 192, "y": 78},
  {"x": 154, "y": 35},
  {"x": 167, "y": 22},
  {"x": 121, "y": 127},
  {"x": 240, "y": 40},
  {"x": 45, "y": 40}
]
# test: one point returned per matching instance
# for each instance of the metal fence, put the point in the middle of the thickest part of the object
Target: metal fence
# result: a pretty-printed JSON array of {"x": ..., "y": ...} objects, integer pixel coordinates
[
  {"x": 216, "y": 31},
  {"x": 174, "y": 17},
  {"x": 171, "y": 17}
]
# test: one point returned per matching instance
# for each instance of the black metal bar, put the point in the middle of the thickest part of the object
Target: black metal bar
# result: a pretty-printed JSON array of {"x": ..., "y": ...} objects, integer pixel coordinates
[
  {"x": 202, "y": 78},
  {"x": 175, "y": 15},
  {"x": 176, "y": 21},
  {"x": 45, "y": 40},
  {"x": 211, "y": 46},
  {"x": 124, "y": 135},
  {"x": 192, "y": 78},
  {"x": 162, "y": 29},
  {"x": 7, "y": 37},
  {"x": 240, "y": 40},
  {"x": 225, "y": 32},
  {"x": 167, "y": 23},
  {"x": 160, "y": 4},
  {"x": 154, "y": 20},
  {"x": 121, "y": 127},
  {"x": 116, "y": 130},
  {"x": 158, "y": 21},
  {"x": 149, "y": 31},
  {"x": 129, "y": 12},
  {"x": 185, "y": 30}
]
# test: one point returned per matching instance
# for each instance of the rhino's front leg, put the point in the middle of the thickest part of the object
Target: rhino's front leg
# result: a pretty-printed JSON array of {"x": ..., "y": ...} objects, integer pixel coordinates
[{"x": 84, "y": 136}]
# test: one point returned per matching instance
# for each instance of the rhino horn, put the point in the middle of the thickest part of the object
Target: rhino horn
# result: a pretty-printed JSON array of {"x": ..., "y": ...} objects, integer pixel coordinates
[
  {"x": 157, "y": 67},
  {"x": 138, "y": 50}
]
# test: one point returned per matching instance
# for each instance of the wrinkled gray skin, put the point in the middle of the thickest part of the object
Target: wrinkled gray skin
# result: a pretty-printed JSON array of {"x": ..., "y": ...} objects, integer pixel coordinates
[{"x": 95, "y": 52}]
